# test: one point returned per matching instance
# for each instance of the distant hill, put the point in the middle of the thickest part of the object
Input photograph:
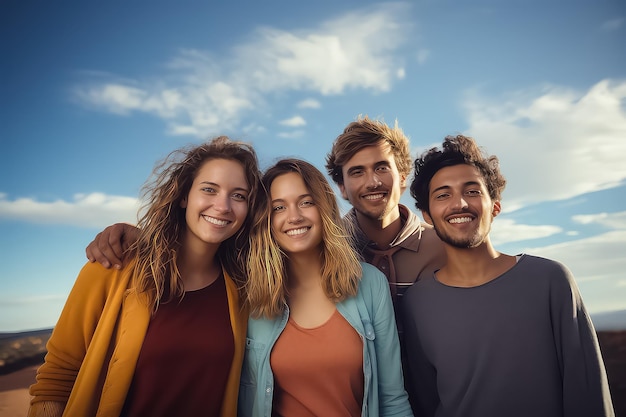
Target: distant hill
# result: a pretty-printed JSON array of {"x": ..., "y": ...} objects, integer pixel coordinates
[
  {"x": 612, "y": 320},
  {"x": 18, "y": 350}
]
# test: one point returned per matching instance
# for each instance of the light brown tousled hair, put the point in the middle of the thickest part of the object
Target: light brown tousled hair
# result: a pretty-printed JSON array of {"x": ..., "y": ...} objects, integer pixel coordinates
[
  {"x": 365, "y": 132},
  {"x": 266, "y": 288},
  {"x": 162, "y": 223}
]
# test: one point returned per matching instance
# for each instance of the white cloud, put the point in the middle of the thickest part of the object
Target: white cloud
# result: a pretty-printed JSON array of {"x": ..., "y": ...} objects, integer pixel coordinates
[
  {"x": 506, "y": 231},
  {"x": 202, "y": 95},
  {"x": 95, "y": 210},
  {"x": 610, "y": 220},
  {"x": 309, "y": 103},
  {"x": 294, "y": 121},
  {"x": 579, "y": 136},
  {"x": 295, "y": 134}
]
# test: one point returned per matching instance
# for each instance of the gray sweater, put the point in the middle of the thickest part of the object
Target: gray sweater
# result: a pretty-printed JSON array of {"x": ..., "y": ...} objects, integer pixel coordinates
[{"x": 519, "y": 345}]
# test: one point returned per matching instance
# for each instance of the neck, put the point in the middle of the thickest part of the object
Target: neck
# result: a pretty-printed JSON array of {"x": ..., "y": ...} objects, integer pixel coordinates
[
  {"x": 474, "y": 266},
  {"x": 198, "y": 266},
  {"x": 303, "y": 270},
  {"x": 382, "y": 231}
]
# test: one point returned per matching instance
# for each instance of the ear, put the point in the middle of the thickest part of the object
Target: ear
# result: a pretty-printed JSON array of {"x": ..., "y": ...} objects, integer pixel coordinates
[
  {"x": 497, "y": 208},
  {"x": 183, "y": 203},
  {"x": 403, "y": 181},
  {"x": 427, "y": 217},
  {"x": 342, "y": 188}
]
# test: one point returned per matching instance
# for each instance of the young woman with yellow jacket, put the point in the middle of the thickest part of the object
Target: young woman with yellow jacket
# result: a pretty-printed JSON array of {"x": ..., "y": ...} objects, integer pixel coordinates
[{"x": 165, "y": 334}]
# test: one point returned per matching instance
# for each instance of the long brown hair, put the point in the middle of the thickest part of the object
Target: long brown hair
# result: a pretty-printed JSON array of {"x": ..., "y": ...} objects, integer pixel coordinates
[
  {"x": 163, "y": 220},
  {"x": 266, "y": 288}
]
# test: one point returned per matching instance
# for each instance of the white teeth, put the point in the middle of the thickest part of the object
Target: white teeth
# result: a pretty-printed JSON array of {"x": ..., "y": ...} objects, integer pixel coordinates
[
  {"x": 296, "y": 232},
  {"x": 374, "y": 196},
  {"x": 216, "y": 221},
  {"x": 461, "y": 220}
]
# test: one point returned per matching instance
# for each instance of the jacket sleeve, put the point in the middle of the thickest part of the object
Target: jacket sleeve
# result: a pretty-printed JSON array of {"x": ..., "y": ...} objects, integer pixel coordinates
[
  {"x": 394, "y": 400},
  {"x": 72, "y": 334},
  {"x": 585, "y": 385}
]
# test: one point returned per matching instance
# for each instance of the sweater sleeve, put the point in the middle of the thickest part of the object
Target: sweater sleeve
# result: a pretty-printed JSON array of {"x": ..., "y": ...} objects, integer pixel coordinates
[
  {"x": 72, "y": 334},
  {"x": 393, "y": 398},
  {"x": 421, "y": 374},
  {"x": 585, "y": 385}
]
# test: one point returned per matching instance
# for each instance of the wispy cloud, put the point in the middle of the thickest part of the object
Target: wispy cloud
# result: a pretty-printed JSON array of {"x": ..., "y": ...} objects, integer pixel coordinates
[
  {"x": 578, "y": 135},
  {"x": 200, "y": 94},
  {"x": 309, "y": 103},
  {"x": 613, "y": 24},
  {"x": 294, "y": 121},
  {"x": 422, "y": 56},
  {"x": 95, "y": 210},
  {"x": 507, "y": 231},
  {"x": 610, "y": 220}
]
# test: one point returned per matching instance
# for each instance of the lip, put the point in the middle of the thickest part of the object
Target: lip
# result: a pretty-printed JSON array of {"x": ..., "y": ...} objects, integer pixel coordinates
[
  {"x": 460, "y": 219},
  {"x": 297, "y": 231},
  {"x": 376, "y": 196},
  {"x": 215, "y": 221}
]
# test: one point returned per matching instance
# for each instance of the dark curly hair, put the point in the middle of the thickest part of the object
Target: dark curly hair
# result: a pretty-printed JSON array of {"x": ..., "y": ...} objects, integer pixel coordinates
[{"x": 455, "y": 150}]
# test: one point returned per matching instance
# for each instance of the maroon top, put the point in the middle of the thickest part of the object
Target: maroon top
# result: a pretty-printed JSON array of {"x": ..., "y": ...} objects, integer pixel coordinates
[{"x": 186, "y": 357}]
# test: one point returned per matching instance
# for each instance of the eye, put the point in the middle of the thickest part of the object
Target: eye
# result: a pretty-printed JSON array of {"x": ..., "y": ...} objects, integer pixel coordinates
[
  {"x": 240, "y": 197},
  {"x": 355, "y": 172},
  {"x": 210, "y": 190},
  {"x": 474, "y": 193},
  {"x": 440, "y": 196},
  {"x": 307, "y": 203},
  {"x": 383, "y": 168},
  {"x": 277, "y": 209}
]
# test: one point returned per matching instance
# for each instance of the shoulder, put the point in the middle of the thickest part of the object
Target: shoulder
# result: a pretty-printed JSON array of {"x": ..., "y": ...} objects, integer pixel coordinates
[
  {"x": 547, "y": 268},
  {"x": 371, "y": 277},
  {"x": 93, "y": 277},
  {"x": 261, "y": 329}
]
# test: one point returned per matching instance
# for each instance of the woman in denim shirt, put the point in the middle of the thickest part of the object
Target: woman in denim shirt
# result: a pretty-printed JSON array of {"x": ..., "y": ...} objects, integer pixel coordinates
[{"x": 322, "y": 337}]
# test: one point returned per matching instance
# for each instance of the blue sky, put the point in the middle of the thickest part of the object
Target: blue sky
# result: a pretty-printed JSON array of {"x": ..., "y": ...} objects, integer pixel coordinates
[{"x": 94, "y": 93}]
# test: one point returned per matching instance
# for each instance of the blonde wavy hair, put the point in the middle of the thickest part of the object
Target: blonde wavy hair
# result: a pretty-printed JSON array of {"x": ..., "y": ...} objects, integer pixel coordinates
[
  {"x": 163, "y": 220},
  {"x": 266, "y": 287}
]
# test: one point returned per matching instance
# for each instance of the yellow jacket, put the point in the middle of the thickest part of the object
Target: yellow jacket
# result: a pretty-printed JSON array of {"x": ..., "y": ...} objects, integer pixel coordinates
[{"x": 94, "y": 347}]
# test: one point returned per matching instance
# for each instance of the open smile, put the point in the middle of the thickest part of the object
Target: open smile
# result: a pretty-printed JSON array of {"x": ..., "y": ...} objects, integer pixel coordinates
[
  {"x": 297, "y": 232},
  {"x": 217, "y": 222},
  {"x": 374, "y": 197}
]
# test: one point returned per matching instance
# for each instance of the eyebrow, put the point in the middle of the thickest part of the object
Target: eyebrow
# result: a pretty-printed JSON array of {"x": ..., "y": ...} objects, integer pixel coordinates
[
  {"x": 214, "y": 184},
  {"x": 300, "y": 197},
  {"x": 376, "y": 164},
  {"x": 466, "y": 184}
]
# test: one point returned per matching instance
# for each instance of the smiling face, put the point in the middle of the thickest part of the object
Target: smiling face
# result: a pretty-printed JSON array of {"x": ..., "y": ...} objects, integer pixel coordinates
[
  {"x": 372, "y": 183},
  {"x": 461, "y": 210},
  {"x": 296, "y": 221},
  {"x": 217, "y": 202}
]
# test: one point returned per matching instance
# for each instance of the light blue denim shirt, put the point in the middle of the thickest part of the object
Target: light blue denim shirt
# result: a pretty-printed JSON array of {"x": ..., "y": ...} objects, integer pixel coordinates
[{"x": 371, "y": 314}]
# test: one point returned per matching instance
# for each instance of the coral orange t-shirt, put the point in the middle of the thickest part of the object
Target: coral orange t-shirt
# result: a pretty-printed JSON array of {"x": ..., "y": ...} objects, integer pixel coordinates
[{"x": 318, "y": 371}]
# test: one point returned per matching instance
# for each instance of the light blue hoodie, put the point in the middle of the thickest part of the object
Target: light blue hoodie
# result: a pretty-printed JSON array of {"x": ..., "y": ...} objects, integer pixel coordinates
[{"x": 371, "y": 314}]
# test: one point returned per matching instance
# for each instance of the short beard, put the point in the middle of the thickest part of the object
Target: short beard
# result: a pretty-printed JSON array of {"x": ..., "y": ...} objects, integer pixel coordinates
[{"x": 469, "y": 243}]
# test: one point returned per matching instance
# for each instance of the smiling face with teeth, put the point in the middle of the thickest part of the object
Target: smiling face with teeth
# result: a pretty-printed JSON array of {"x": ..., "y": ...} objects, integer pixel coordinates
[
  {"x": 217, "y": 202},
  {"x": 295, "y": 221},
  {"x": 373, "y": 184},
  {"x": 460, "y": 208}
]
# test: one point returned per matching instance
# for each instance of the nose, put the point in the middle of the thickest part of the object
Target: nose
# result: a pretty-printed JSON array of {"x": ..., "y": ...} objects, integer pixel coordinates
[
  {"x": 223, "y": 203},
  {"x": 294, "y": 216},
  {"x": 374, "y": 181},
  {"x": 459, "y": 203}
]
